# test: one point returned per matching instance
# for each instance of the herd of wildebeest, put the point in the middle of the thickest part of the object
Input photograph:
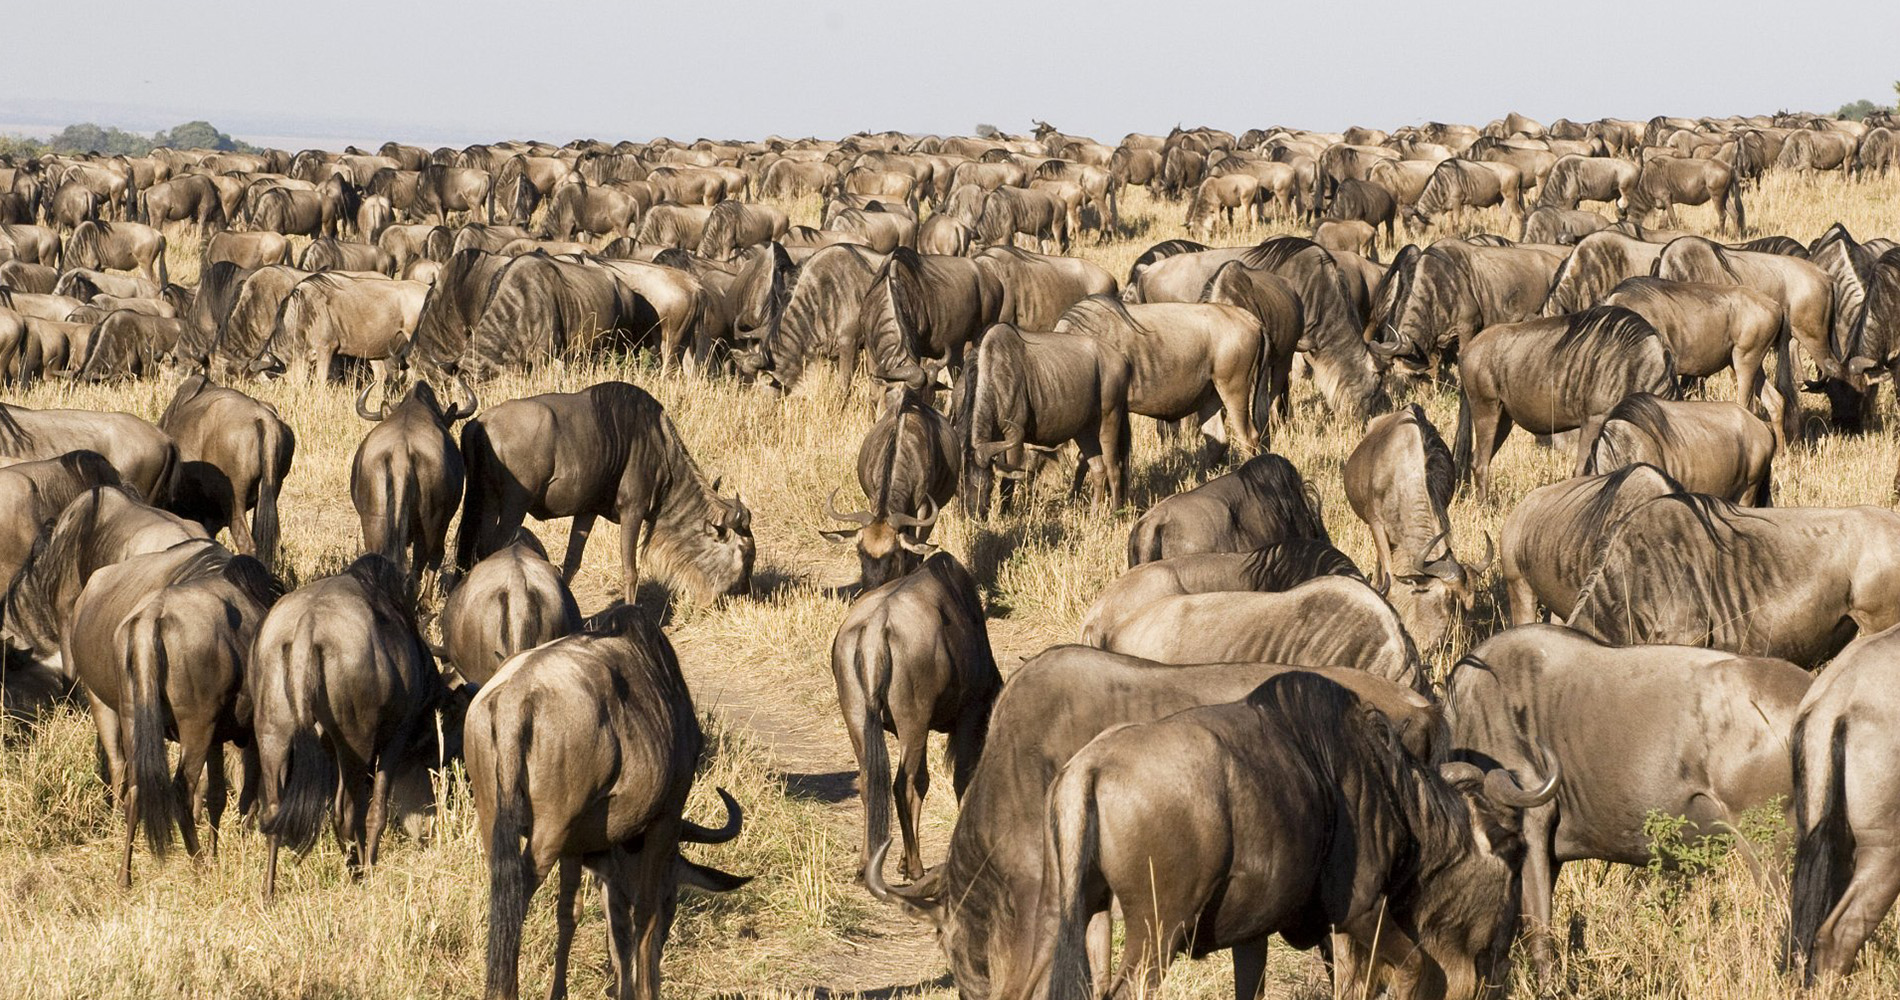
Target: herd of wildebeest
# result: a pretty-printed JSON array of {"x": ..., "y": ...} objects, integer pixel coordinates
[{"x": 1246, "y": 740}]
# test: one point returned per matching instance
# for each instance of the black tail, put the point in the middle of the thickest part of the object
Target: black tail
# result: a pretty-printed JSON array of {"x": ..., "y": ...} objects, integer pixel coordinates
[
  {"x": 874, "y": 770},
  {"x": 1765, "y": 490},
  {"x": 1461, "y": 439},
  {"x": 476, "y": 474},
  {"x": 1068, "y": 870},
  {"x": 311, "y": 775},
  {"x": 153, "y": 788},
  {"x": 1824, "y": 860},
  {"x": 264, "y": 527},
  {"x": 511, "y": 878}
]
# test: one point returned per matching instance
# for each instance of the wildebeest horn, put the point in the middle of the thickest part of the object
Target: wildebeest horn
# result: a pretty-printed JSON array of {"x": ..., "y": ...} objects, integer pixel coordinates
[
  {"x": 1456, "y": 771},
  {"x": 1385, "y": 350},
  {"x": 693, "y": 833},
  {"x": 708, "y": 878},
  {"x": 464, "y": 410},
  {"x": 1501, "y": 787},
  {"x": 906, "y": 521},
  {"x": 857, "y": 517},
  {"x": 1490, "y": 556},
  {"x": 917, "y": 900},
  {"x": 362, "y": 400}
]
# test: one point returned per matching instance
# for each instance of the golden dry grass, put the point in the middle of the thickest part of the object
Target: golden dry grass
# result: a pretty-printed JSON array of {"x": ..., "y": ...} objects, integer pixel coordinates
[{"x": 759, "y": 669}]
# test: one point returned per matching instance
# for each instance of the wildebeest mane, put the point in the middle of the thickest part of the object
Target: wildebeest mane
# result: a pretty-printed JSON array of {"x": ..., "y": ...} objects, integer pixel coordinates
[
  {"x": 1278, "y": 489},
  {"x": 1283, "y": 565},
  {"x": 1609, "y": 331},
  {"x": 1161, "y": 251},
  {"x": 1387, "y": 302},
  {"x": 1784, "y": 246},
  {"x": 1441, "y": 474},
  {"x": 1593, "y": 519}
]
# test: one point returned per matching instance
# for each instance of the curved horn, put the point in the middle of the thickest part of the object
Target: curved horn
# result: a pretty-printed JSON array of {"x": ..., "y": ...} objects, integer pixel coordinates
[
  {"x": 362, "y": 398},
  {"x": 466, "y": 409},
  {"x": 1490, "y": 556},
  {"x": 1385, "y": 350},
  {"x": 1456, "y": 771},
  {"x": 906, "y": 521},
  {"x": 916, "y": 900},
  {"x": 1501, "y": 787},
  {"x": 693, "y": 833},
  {"x": 858, "y": 517}
]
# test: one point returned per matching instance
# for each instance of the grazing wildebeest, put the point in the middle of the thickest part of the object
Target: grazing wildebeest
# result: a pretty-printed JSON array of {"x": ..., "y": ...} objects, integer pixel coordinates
[
  {"x": 1790, "y": 582},
  {"x": 1846, "y": 874},
  {"x": 101, "y": 526},
  {"x": 1561, "y": 226},
  {"x": 912, "y": 657},
  {"x": 1038, "y": 213},
  {"x": 234, "y": 453},
  {"x": 1400, "y": 480},
  {"x": 908, "y": 469},
  {"x": 406, "y": 477},
  {"x": 1039, "y": 391},
  {"x": 128, "y": 344},
  {"x": 1263, "y": 501},
  {"x": 1576, "y": 179},
  {"x": 1457, "y": 185},
  {"x": 981, "y": 899},
  {"x": 146, "y": 458},
  {"x": 591, "y": 209},
  {"x": 1668, "y": 181},
  {"x": 1186, "y": 359},
  {"x": 408, "y": 243},
  {"x": 441, "y": 189},
  {"x": 36, "y": 493},
  {"x": 511, "y": 602},
  {"x": 345, "y": 696},
  {"x": 1599, "y": 263},
  {"x": 1553, "y": 375},
  {"x": 820, "y": 316},
  {"x": 1719, "y": 449},
  {"x": 733, "y": 226},
  {"x": 1543, "y": 696},
  {"x": 1216, "y": 198},
  {"x": 1350, "y": 235},
  {"x": 1712, "y": 327},
  {"x": 1330, "y": 621},
  {"x": 1038, "y": 289},
  {"x": 1453, "y": 291},
  {"x": 331, "y": 254},
  {"x": 608, "y": 451},
  {"x": 582, "y": 752},
  {"x": 192, "y": 198},
  {"x": 159, "y": 643},
  {"x": 247, "y": 250},
  {"x": 941, "y": 234},
  {"x": 1273, "y": 567},
  {"x": 1552, "y": 536},
  {"x": 918, "y": 309},
  {"x": 1308, "y": 818},
  {"x": 1367, "y": 202}
]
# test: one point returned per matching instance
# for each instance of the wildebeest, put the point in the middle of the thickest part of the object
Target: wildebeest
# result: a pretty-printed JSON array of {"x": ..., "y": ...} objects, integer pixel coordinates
[
  {"x": 1034, "y": 212},
  {"x": 192, "y": 198},
  {"x": 1400, "y": 480},
  {"x": 123, "y": 246},
  {"x": 341, "y": 313},
  {"x": 1037, "y": 289},
  {"x": 1457, "y": 185},
  {"x": 1263, "y": 501},
  {"x": 1551, "y": 538},
  {"x": 1668, "y": 181},
  {"x": 981, "y": 900},
  {"x": 582, "y": 752},
  {"x": 1546, "y": 697},
  {"x": 1367, "y": 202},
  {"x": 1216, "y": 198},
  {"x": 1719, "y": 449},
  {"x": 247, "y": 250},
  {"x": 919, "y": 309},
  {"x": 1329, "y": 621},
  {"x": 1561, "y": 226},
  {"x": 101, "y": 526},
  {"x": 1845, "y": 873},
  {"x": 1273, "y": 567},
  {"x": 1802, "y": 290},
  {"x": 146, "y": 458},
  {"x": 1349, "y": 235},
  {"x": 1309, "y": 818},
  {"x": 344, "y": 695},
  {"x": 331, "y": 254},
  {"x": 1452, "y": 291},
  {"x": 37, "y": 492},
  {"x": 733, "y": 226},
  {"x": 511, "y": 602},
  {"x": 234, "y": 453},
  {"x": 912, "y": 657},
  {"x": 594, "y": 210},
  {"x": 908, "y": 469},
  {"x": 1710, "y": 327},
  {"x": 441, "y": 189},
  {"x": 1039, "y": 391},
  {"x": 819, "y": 316},
  {"x": 1789, "y": 582},
  {"x": 608, "y": 451},
  {"x": 159, "y": 642},
  {"x": 406, "y": 477},
  {"x": 1185, "y": 359},
  {"x": 1576, "y": 179},
  {"x": 1553, "y": 375}
]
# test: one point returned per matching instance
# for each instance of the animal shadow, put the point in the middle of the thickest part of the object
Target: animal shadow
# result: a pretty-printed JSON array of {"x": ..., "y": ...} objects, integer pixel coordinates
[{"x": 828, "y": 787}]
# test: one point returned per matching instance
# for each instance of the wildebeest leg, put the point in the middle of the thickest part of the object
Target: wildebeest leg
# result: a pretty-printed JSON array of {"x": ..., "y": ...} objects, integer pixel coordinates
[
  {"x": 1100, "y": 943},
  {"x": 576, "y": 544},
  {"x": 251, "y": 782},
  {"x": 234, "y": 498},
  {"x": 323, "y": 358},
  {"x": 615, "y": 871},
  {"x": 1236, "y": 397},
  {"x": 1148, "y": 945},
  {"x": 564, "y": 925},
  {"x": 1540, "y": 880},
  {"x": 209, "y": 800},
  {"x": 129, "y": 802},
  {"x": 1250, "y": 969},
  {"x": 1381, "y": 554},
  {"x": 352, "y": 807},
  {"x": 195, "y": 741},
  {"x": 1490, "y": 425},
  {"x": 377, "y": 814},
  {"x": 1587, "y": 440},
  {"x": 630, "y": 557},
  {"x": 912, "y": 784},
  {"x": 1870, "y": 894},
  {"x": 655, "y": 896},
  {"x": 1520, "y": 601}
]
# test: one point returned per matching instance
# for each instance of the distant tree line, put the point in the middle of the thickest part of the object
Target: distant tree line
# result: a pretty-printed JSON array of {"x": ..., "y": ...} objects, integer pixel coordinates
[
  {"x": 1859, "y": 110},
  {"x": 87, "y": 137}
]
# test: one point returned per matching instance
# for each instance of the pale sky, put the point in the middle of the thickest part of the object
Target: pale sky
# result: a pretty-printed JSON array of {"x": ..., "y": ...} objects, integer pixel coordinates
[{"x": 478, "y": 70}]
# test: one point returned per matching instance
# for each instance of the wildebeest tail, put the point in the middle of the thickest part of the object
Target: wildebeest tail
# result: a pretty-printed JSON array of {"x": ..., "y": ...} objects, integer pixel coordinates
[
  {"x": 1072, "y": 840},
  {"x": 511, "y": 874},
  {"x": 873, "y": 670},
  {"x": 1461, "y": 445},
  {"x": 1144, "y": 542},
  {"x": 476, "y": 459},
  {"x": 1824, "y": 859},
  {"x": 310, "y": 772},
  {"x": 152, "y": 785},
  {"x": 264, "y": 526}
]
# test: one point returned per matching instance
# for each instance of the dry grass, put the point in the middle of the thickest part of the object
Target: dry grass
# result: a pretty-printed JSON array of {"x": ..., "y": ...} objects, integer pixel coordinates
[{"x": 416, "y": 926}]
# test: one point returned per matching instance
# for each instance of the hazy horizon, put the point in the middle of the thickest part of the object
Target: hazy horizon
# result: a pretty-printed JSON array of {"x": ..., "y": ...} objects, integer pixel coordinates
[{"x": 361, "y": 72}]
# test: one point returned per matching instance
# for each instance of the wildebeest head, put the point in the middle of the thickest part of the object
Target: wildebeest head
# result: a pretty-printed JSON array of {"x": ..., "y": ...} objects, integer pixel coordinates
[
  {"x": 888, "y": 546},
  {"x": 1436, "y": 597},
  {"x": 1466, "y": 916},
  {"x": 422, "y": 394}
]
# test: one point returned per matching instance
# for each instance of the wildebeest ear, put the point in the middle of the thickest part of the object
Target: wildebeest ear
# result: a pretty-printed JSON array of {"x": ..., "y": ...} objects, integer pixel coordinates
[{"x": 844, "y": 537}]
